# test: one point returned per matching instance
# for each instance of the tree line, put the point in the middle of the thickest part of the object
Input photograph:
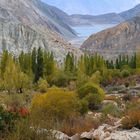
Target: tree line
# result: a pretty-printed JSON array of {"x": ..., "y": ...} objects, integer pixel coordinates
[{"x": 27, "y": 68}]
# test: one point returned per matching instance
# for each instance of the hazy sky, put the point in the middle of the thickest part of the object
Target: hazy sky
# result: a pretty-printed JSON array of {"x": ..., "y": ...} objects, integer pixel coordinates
[{"x": 93, "y": 7}]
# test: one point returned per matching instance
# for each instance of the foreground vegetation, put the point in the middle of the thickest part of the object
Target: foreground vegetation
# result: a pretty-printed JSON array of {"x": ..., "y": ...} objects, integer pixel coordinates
[{"x": 38, "y": 95}]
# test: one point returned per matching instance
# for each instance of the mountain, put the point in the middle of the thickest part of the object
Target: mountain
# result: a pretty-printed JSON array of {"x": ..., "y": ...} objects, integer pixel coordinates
[
  {"x": 111, "y": 18},
  {"x": 56, "y": 19},
  {"x": 35, "y": 12},
  {"x": 93, "y": 7},
  {"x": 25, "y": 24},
  {"x": 122, "y": 39},
  {"x": 131, "y": 13}
]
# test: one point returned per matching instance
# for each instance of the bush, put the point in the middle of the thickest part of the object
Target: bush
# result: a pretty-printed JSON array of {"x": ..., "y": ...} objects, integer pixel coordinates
[
  {"x": 24, "y": 131},
  {"x": 14, "y": 101},
  {"x": 79, "y": 125},
  {"x": 96, "y": 77},
  {"x": 83, "y": 106},
  {"x": 132, "y": 119},
  {"x": 7, "y": 121},
  {"x": 112, "y": 110},
  {"x": 56, "y": 105},
  {"x": 92, "y": 93},
  {"x": 42, "y": 85},
  {"x": 16, "y": 104},
  {"x": 133, "y": 105},
  {"x": 61, "y": 79},
  {"x": 125, "y": 73}
]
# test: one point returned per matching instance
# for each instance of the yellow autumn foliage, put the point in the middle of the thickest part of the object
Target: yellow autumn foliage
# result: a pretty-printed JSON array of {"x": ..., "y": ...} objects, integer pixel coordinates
[{"x": 57, "y": 104}]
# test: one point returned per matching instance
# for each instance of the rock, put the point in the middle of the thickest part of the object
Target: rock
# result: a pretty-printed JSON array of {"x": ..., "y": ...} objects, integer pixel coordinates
[
  {"x": 99, "y": 133},
  {"x": 90, "y": 113},
  {"x": 106, "y": 135},
  {"x": 106, "y": 132},
  {"x": 125, "y": 135},
  {"x": 119, "y": 121},
  {"x": 106, "y": 102},
  {"x": 98, "y": 115},
  {"x": 75, "y": 137},
  {"x": 87, "y": 135},
  {"x": 112, "y": 128},
  {"x": 112, "y": 119},
  {"x": 93, "y": 115},
  {"x": 60, "y": 136}
]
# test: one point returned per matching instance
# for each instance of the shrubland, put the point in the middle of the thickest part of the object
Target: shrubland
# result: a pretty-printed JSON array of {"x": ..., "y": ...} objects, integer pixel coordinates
[{"x": 38, "y": 94}]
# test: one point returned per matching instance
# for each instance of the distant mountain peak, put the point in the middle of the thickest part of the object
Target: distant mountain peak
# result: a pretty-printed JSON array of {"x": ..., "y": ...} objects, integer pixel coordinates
[{"x": 93, "y": 7}]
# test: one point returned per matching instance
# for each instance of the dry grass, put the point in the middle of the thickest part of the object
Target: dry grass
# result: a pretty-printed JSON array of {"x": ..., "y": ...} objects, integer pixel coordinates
[
  {"x": 79, "y": 125},
  {"x": 110, "y": 97},
  {"x": 132, "y": 119}
]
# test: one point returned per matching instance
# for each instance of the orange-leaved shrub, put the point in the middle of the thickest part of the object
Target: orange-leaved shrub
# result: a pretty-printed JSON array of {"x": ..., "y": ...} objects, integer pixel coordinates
[
  {"x": 131, "y": 119},
  {"x": 78, "y": 125}
]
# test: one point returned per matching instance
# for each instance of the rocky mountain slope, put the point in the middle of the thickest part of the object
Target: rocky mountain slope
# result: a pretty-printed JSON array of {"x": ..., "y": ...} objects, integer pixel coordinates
[
  {"x": 56, "y": 19},
  {"x": 122, "y": 39},
  {"x": 34, "y": 12},
  {"x": 26, "y": 24},
  {"x": 131, "y": 13}
]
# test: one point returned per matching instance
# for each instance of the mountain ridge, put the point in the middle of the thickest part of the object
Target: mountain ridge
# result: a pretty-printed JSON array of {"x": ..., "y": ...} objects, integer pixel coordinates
[
  {"x": 109, "y": 18},
  {"x": 122, "y": 39}
]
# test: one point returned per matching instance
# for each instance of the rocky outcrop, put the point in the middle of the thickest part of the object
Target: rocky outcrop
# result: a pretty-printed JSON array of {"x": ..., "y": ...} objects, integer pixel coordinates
[
  {"x": 122, "y": 39},
  {"x": 104, "y": 132}
]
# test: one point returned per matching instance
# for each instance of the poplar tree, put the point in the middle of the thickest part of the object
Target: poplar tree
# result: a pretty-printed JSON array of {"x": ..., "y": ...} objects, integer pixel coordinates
[
  {"x": 39, "y": 65},
  {"x": 69, "y": 65}
]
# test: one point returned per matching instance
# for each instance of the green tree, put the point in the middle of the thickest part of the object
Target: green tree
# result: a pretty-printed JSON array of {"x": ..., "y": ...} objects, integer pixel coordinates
[
  {"x": 49, "y": 64},
  {"x": 4, "y": 58},
  {"x": 14, "y": 80},
  {"x": 69, "y": 65},
  {"x": 42, "y": 85},
  {"x": 25, "y": 63},
  {"x": 39, "y": 65},
  {"x": 92, "y": 93},
  {"x": 34, "y": 60}
]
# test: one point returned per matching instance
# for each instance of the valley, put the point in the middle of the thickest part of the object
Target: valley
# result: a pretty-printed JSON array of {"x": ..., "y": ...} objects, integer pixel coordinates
[
  {"x": 69, "y": 76},
  {"x": 83, "y": 32}
]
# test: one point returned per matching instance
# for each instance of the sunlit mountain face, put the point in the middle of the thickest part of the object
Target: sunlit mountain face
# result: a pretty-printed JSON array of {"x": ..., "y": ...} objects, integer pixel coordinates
[{"x": 94, "y": 7}]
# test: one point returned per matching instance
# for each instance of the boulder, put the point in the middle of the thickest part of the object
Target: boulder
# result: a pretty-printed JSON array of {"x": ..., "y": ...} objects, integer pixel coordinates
[
  {"x": 75, "y": 137},
  {"x": 100, "y": 132},
  {"x": 125, "y": 135},
  {"x": 87, "y": 135},
  {"x": 60, "y": 136}
]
